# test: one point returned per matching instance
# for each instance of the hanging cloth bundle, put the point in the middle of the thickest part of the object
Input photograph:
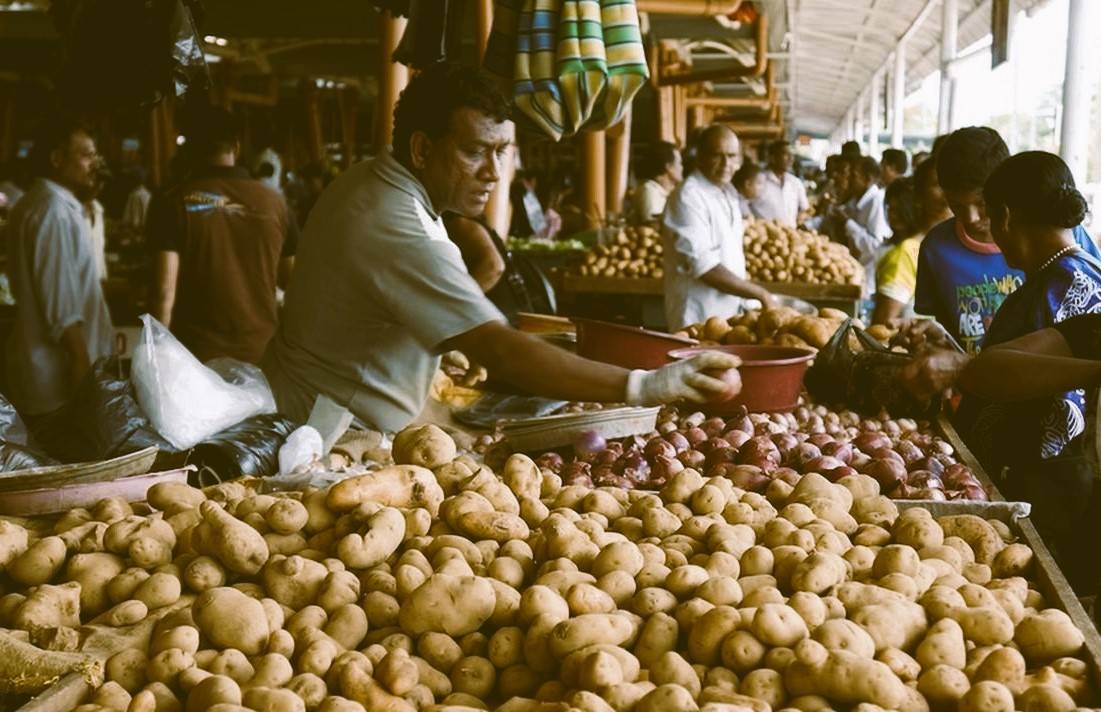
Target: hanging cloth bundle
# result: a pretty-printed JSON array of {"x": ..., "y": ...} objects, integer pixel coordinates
[
  {"x": 535, "y": 88},
  {"x": 626, "y": 61},
  {"x": 582, "y": 63}
]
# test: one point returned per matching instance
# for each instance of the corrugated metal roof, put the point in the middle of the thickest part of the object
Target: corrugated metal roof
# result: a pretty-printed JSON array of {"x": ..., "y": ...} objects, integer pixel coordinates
[{"x": 839, "y": 45}]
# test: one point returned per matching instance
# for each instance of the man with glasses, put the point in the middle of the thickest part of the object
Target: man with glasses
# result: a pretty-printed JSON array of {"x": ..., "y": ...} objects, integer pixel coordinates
[
  {"x": 62, "y": 324},
  {"x": 704, "y": 263}
]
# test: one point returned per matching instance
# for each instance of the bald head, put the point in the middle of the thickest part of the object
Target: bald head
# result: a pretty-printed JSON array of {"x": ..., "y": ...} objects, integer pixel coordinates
[{"x": 718, "y": 153}]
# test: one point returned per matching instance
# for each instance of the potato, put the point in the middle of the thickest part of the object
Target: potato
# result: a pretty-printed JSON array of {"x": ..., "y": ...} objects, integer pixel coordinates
[
  {"x": 455, "y": 605},
  {"x": 590, "y": 629},
  {"x": 230, "y": 619},
  {"x": 778, "y": 625},
  {"x": 1047, "y": 635},
  {"x": 423, "y": 446},
  {"x": 987, "y": 696},
  {"x": 402, "y": 486}
]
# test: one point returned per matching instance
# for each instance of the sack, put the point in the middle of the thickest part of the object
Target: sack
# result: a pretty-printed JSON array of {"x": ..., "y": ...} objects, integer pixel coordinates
[
  {"x": 582, "y": 62},
  {"x": 535, "y": 84},
  {"x": 187, "y": 402},
  {"x": 12, "y": 427},
  {"x": 248, "y": 449},
  {"x": 625, "y": 62}
]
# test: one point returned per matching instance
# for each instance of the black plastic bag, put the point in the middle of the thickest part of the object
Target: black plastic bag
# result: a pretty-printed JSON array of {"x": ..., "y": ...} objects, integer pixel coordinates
[
  {"x": 103, "y": 420},
  {"x": 12, "y": 427},
  {"x": 127, "y": 53},
  {"x": 14, "y": 456},
  {"x": 248, "y": 449},
  {"x": 867, "y": 380}
]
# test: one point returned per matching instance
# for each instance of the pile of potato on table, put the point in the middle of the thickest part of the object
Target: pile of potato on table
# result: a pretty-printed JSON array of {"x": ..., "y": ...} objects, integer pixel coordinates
[
  {"x": 781, "y": 253},
  {"x": 437, "y": 583}
]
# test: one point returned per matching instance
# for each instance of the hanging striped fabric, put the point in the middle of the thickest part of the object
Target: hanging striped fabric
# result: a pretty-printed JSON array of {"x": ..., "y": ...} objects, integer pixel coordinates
[
  {"x": 582, "y": 64},
  {"x": 500, "y": 57},
  {"x": 627, "y": 68},
  {"x": 536, "y": 91}
]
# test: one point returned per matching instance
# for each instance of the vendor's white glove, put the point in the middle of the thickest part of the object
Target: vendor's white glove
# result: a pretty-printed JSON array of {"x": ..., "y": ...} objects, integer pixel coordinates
[{"x": 683, "y": 380}]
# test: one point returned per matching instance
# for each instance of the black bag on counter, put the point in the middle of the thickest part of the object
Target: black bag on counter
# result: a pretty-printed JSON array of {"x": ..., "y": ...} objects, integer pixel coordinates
[
  {"x": 102, "y": 421},
  {"x": 248, "y": 449},
  {"x": 866, "y": 380},
  {"x": 15, "y": 452}
]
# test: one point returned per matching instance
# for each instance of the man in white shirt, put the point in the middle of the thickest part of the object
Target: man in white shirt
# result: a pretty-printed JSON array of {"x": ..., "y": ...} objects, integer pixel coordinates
[
  {"x": 783, "y": 196},
  {"x": 664, "y": 171},
  {"x": 62, "y": 324},
  {"x": 380, "y": 291},
  {"x": 704, "y": 263},
  {"x": 863, "y": 217}
]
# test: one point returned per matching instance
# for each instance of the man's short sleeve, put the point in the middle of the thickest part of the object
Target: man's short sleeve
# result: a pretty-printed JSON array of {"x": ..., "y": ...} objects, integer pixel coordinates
[
  {"x": 427, "y": 289},
  {"x": 687, "y": 225},
  {"x": 164, "y": 229},
  {"x": 895, "y": 275},
  {"x": 803, "y": 203},
  {"x": 1083, "y": 335}
]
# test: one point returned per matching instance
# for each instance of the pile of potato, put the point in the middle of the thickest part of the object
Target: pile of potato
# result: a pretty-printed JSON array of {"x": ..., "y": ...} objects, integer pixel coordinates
[
  {"x": 779, "y": 253},
  {"x": 635, "y": 251},
  {"x": 438, "y": 584},
  {"x": 780, "y": 326}
]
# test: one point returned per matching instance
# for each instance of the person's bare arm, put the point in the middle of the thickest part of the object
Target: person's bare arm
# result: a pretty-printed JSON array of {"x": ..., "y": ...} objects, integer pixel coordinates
[
  {"x": 886, "y": 310},
  {"x": 540, "y": 369},
  {"x": 1036, "y": 365},
  {"x": 480, "y": 255},
  {"x": 166, "y": 272},
  {"x": 286, "y": 269},
  {"x": 724, "y": 280},
  {"x": 78, "y": 364}
]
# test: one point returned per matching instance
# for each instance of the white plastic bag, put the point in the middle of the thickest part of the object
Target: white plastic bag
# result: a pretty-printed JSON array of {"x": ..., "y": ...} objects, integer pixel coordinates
[
  {"x": 302, "y": 448},
  {"x": 186, "y": 401}
]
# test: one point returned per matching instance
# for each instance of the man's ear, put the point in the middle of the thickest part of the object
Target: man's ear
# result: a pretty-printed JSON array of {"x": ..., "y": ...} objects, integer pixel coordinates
[
  {"x": 1005, "y": 219},
  {"x": 57, "y": 157},
  {"x": 419, "y": 148}
]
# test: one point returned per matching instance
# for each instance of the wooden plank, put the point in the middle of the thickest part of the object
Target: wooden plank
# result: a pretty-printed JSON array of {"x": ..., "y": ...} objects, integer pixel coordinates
[
  {"x": 1057, "y": 590},
  {"x": 965, "y": 456},
  {"x": 62, "y": 696},
  {"x": 814, "y": 291},
  {"x": 613, "y": 285}
]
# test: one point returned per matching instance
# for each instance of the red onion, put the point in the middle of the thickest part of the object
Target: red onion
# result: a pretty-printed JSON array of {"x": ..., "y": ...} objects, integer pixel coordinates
[
  {"x": 869, "y": 442},
  {"x": 784, "y": 442},
  {"x": 577, "y": 473},
  {"x": 975, "y": 492},
  {"x": 551, "y": 461},
  {"x": 931, "y": 464},
  {"x": 632, "y": 461},
  {"x": 751, "y": 479},
  {"x": 659, "y": 448},
  {"x": 841, "y": 451},
  {"x": 956, "y": 476},
  {"x": 736, "y": 438},
  {"x": 667, "y": 427},
  {"x": 760, "y": 447},
  {"x": 616, "y": 447},
  {"x": 714, "y": 427},
  {"x": 886, "y": 453},
  {"x": 604, "y": 457},
  {"x": 707, "y": 446},
  {"x": 924, "y": 478},
  {"x": 838, "y": 473},
  {"x": 588, "y": 444},
  {"x": 821, "y": 464},
  {"x": 692, "y": 458},
  {"x": 665, "y": 467},
  {"x": 801, "y": 454},
  {"x": 820, "y": 440},
  {"x": 678, "y": 441},
  {"x": 927, "y": 493},
  {"x": 695, "y": 436},
  {"x": 859, "y": 461},
  {"x": 888, "y": 473},
  {"x": 720, "y": 455},
  {"x": 909, "y": 452}
]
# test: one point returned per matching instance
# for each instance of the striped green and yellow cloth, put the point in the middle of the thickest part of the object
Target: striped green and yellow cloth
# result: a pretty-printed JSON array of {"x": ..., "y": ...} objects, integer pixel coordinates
[
  {"x": 626, "y": 58},
  {"x": 582, "y": 64},
  {"x": 535, "y": 86},
  {"x": 500, "y": 55}
]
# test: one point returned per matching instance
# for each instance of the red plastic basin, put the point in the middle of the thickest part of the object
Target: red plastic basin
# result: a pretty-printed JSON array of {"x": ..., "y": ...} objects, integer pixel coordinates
[
  {"x": 626, "y": 346},
  {"x": 772, "y": 377}
]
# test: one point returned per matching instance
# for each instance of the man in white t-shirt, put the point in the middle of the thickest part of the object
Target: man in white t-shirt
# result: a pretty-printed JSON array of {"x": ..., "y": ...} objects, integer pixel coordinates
[
  {"x": 704, "y": 263},
  {"x": 783, "y": 196},
  {"x": 380, "y": 291}
]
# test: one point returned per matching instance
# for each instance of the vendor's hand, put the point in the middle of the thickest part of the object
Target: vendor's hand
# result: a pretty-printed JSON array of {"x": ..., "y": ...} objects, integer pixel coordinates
[
  {"x": 768, "y": 301},
  {"x": 683, "y": 380},
  {"x": 932, "y": 374}
]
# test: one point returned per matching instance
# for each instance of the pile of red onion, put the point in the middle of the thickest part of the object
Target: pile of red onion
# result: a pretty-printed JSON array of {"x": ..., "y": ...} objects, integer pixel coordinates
[{"x": 907, "y": 459}]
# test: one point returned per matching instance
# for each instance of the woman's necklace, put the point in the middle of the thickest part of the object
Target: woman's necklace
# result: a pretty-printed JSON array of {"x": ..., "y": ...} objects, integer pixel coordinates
[{"x": 1051, "y": 260}]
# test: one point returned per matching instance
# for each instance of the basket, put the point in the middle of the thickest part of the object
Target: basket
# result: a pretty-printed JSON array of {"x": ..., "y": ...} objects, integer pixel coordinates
[
  {"x": 625, "y": 346},
  {"x": 772, "y": 377},
  {"x": 553, "y": 431}
]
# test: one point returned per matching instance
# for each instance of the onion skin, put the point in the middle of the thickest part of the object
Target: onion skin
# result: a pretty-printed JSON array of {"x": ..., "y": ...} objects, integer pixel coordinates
[
  {"x": 678, "y": 441},
  {"x": 760, "y": 447},
  {"x": 714, "y": 427},
  {"x": 751, "y": 479},
  {"x": 888, "y": 473},
  {"x": 720, "y": 455},
  {"x": 551, "y": 461},
  {"x": 658, "y": 447},
  {"x": 909, "y": 452},
  {"x": 841, "y": 451},
  {"x": 886, "y": 453},
  {"x": 692, "y": 458},
  {"x": 695, "y": 436},
  {"x": 869, "y": 442},
  {"x": 665, "y": 467},
  {"x": 820, "y": 440},
  {"x": 736, "y": 438},
  {"x": 924, "y": 479},
  {"x": 712, "y": 444},
  {"x": 801, "y": 454}
]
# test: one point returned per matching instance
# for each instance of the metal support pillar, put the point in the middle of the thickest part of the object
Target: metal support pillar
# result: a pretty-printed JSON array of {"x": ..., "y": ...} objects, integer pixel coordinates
[
  {"x": 874, "y": 117},
  {"x": 1078, "y": 83},
  {"x": 949, "y": 38},
  {"x": 898, "y": 96}
]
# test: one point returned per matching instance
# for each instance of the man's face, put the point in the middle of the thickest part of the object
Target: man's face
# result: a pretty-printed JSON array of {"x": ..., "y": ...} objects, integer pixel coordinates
[
  {"x": 75, "y": 165},
  {"x": 858, "y": 183},
  {"x": 888, "y": 175},
  {"x": 461, "y": 168},
  {"x": 839, "y": 176},
  {"x": 718, "y": 157},
  {"x": 754, "y": 186},
  {"x": 780, "y": 159},
  {"x": 933, "y": 205},
  {"x": 897, "y": 225},
  {"x": 970, "y": 209},
  {"x": 675, "y": 169}
]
